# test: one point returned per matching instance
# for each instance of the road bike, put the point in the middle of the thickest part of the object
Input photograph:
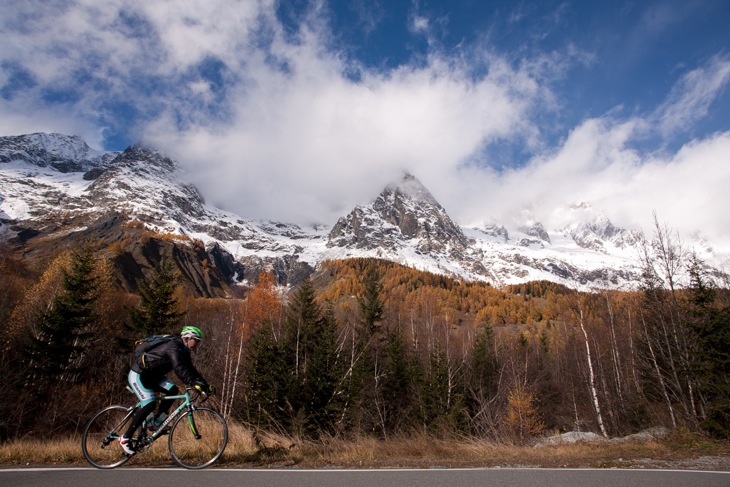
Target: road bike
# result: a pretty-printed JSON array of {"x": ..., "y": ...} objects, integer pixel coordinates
[{"x": 197, "y": 435}]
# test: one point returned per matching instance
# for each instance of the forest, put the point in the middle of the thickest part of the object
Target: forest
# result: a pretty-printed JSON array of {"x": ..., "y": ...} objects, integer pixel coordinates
[{"x": 370, "y": 347}]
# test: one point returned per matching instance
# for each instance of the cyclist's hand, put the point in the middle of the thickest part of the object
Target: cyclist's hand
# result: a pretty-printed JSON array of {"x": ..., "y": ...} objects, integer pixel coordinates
[{"x": 205, "y": 389}]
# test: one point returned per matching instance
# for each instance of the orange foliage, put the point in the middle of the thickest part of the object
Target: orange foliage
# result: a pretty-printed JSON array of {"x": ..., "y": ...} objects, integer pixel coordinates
[
  {"x": 264, "y": 304},
  {"x": 407, "y": 289}
]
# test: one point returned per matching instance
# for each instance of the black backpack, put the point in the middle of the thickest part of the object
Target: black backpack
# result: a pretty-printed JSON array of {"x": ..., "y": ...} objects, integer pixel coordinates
[{"x": 143, "y": 348}]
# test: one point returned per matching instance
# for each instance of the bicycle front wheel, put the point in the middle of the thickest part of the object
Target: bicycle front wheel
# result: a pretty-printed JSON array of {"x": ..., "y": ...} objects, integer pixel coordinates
[
  {"x": 198, "y": 438},
  {"x": 100, "y": 440}
]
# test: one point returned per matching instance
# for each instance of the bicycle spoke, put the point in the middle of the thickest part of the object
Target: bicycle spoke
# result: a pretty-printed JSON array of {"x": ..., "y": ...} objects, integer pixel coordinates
[
  {"x": 100, "y": 440},
  {"x": 198, "y": 438}
]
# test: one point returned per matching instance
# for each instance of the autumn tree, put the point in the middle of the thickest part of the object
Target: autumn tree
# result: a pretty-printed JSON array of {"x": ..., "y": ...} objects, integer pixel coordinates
[
  {"x": 264, "y": 304},
  {"x": 523, "y": 419}
]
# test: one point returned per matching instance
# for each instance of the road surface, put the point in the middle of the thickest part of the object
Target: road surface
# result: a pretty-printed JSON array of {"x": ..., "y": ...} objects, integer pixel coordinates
[{"x": 501, "y": 477}]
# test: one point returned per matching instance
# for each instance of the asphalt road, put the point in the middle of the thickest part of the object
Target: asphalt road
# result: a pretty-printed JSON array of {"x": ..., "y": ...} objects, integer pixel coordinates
[{"x": 506, "y": 477}]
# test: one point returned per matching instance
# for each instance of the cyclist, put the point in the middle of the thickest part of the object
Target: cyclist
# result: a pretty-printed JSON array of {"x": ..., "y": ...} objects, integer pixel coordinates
[{"x": 149, "y": 377}]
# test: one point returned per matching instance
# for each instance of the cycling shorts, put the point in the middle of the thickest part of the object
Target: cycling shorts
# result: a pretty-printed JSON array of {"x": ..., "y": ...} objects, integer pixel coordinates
[{"x": 146, "y": 392}]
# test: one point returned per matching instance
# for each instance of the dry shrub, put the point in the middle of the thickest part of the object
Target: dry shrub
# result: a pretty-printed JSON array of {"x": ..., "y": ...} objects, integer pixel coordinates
[
  {"x": 414, "y": 450},
  {"x": 522, "y": 421},
  {"x": 241, "y": 443}
]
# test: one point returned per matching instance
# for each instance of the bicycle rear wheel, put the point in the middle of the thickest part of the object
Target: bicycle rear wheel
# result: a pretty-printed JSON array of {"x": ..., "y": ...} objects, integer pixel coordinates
[
  {"x": 198, "y": 438},
  {"x": 100, "y": 440}
]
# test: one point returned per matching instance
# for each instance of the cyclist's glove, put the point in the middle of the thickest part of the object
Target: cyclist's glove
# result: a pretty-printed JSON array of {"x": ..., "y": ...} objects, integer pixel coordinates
[{"x": 204, "y": 388}]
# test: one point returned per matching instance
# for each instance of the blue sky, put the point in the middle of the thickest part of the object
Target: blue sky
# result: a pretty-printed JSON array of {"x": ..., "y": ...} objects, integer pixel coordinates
[{"x": 298, "y": 110}]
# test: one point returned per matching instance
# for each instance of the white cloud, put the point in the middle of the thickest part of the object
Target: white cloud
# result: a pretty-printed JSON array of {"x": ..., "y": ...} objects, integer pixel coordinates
[
  {"x": 692, "y": 96},
  {"x": 687, "y": 189},
  {"x": 335, "y": 143},
  {"x": 16, "y": 119}
]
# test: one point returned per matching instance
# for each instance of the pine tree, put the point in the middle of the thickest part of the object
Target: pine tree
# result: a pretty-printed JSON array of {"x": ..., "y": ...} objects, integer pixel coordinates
[
  {"x": 310, "y": 347},
  {"x": 56, "y": 346},
  {"x": 320, "y": 387},
  {"x": 158, "y": 309},
  {"x": 367, "y": 372},
  {"x": 294, "y": 382},
  {"x": 484, "y": 361},
  {"x": 371, "y": 304},
  {"x": 400, "y": 382},
  {"x": 267, "y": 378},
  {"x": 709, "y": 324},
  {"x": 435, "y": 388}
]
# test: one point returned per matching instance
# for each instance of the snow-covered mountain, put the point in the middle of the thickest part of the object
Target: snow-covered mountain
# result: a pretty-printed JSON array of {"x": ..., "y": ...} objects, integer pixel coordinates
[{"x": 56, "y": 183}]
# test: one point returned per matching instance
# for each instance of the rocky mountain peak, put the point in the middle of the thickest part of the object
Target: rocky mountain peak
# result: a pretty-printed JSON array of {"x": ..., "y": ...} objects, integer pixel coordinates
[
  {"x": 410, "y": 188},
  {"x": 65, "y": 153},
  {"x": 138, "y": 155},
  {"x": 404, "y": 214}
]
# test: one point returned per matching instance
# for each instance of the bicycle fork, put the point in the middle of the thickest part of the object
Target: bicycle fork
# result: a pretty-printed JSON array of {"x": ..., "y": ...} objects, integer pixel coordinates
[{"x": 193, "y": 428}]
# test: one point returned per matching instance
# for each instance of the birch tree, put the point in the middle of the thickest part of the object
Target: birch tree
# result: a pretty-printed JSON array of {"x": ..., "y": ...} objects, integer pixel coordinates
[
  {"x": 591, "y": 374},
  {"x": 665, "y": 335}
]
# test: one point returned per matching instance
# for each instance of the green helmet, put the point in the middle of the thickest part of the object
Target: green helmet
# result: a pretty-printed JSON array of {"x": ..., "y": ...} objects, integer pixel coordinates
[{"x": 191, "y": 332}]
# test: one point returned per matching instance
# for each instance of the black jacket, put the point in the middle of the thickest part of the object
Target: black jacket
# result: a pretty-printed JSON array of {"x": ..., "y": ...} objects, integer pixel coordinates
[{"x": 168, "y": 356}]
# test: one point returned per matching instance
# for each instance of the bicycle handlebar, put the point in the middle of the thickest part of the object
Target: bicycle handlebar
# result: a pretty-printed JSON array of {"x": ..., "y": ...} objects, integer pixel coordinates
[{"x": 198, "y": 395}]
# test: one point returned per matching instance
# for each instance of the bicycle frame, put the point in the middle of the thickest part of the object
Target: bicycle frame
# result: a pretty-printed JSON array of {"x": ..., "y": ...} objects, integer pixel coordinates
[{"x": 186, "y": 404}]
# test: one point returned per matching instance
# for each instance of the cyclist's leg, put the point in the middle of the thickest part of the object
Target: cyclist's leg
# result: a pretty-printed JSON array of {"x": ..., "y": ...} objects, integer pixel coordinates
[
  {"x": 146, "y": 398},
  {"x": 168, "y": 388}
]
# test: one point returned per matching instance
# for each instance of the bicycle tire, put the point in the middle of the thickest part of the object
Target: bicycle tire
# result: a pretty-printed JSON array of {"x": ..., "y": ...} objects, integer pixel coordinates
[
  {"x": 198, "y": 438},
  {"x": 100, "y": 439}
]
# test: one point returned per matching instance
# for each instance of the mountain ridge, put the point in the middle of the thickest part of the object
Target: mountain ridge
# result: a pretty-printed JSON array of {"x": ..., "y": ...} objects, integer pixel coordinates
[{"x": 46, "y": 176}]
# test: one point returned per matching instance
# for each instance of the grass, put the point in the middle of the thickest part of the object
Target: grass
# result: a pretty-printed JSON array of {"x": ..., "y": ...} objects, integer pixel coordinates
[{"x": 247, "y": 448}]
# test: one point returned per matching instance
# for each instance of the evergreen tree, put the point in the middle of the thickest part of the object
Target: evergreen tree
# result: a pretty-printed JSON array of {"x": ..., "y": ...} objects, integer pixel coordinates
[
  {"x": 323, "y": 397},
  {"x": 56, "y": 346},
  {"x": 710, "y": 334},
  {"x": 399, "y": 390},
  {"x": 365, "y": 381},
  {"x": 158, "y": 310},
  {"x": 310, "y": 347},
  {"x": 435, "y": 388},
  {"x": 267, "y": 380},
  {"x": 481, "y": 381},
  {"x": 371, "y": 304},
  {"x": 484, "y": 366},
  {"x": 293, "y": 383}
]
